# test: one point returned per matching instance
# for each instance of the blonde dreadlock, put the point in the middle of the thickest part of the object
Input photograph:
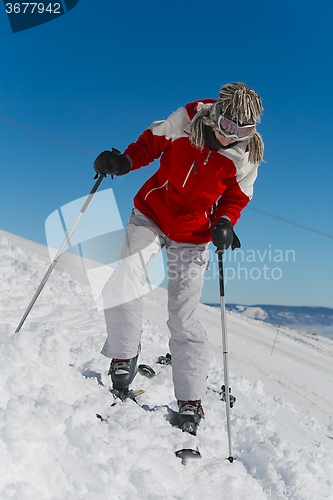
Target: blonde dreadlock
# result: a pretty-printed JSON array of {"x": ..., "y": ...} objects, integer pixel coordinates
[{"x": 239, "y": 103}]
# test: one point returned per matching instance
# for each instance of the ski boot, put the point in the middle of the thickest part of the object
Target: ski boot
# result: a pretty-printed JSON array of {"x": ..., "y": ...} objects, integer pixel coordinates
[
  {"x": 122, "y": 373},
  {"x": 190, "y": 414}
]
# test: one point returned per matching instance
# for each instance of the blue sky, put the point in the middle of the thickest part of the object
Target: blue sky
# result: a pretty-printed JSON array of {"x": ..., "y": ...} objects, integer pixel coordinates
[{"x": 98, "y": 76}]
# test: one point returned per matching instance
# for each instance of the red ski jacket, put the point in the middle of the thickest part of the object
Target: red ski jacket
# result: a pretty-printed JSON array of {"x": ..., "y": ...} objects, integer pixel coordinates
[{"x": 191, "y": 188}]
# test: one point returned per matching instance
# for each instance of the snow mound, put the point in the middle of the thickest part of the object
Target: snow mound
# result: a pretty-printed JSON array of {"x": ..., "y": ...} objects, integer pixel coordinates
[{"x": 255, "y": 313}]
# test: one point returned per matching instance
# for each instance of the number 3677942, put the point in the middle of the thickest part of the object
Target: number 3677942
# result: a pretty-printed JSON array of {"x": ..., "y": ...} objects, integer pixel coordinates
[{"x": 33, "y": 8}]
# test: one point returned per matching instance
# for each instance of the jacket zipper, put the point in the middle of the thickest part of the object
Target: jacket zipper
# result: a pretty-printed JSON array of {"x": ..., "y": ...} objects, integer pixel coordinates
[
  {"x": 194, "y": 167},
  {"x": 209, "y": 221},
  {"x": 206, "y": 160},
  {"x": 159, "y": 187}
]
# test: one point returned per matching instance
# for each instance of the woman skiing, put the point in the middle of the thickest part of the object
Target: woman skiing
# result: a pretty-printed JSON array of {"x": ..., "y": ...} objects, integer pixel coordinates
[{"x": 209, "y": 155}]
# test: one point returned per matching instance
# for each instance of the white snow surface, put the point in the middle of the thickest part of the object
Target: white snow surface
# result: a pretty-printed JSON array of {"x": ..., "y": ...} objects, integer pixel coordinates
[{"x": 54, "y": 381}]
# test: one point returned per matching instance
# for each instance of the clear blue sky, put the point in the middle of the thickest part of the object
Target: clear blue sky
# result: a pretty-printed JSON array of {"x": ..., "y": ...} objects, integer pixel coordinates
[{"x": 99, "y": 75}]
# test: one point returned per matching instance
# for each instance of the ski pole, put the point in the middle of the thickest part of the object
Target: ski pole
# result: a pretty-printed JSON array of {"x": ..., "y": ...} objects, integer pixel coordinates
[
  {"x": 60, "y": 251},
  {"x": 225, "y": 351}
]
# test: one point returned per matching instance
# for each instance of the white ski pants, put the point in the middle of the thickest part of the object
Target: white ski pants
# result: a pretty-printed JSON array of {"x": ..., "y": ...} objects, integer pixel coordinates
[{"x": 123, "y": 303}]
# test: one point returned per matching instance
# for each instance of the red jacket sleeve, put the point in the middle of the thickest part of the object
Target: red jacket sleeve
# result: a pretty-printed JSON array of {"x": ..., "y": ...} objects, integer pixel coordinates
[
  {"x": 146, "y": 149},
  {"x": 158, "y": 138}
]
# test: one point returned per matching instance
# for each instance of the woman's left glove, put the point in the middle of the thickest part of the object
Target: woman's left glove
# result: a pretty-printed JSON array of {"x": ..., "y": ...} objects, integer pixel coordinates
[
  {"x": 112, "y": 163},
  {"x": 224, "y": 236}
]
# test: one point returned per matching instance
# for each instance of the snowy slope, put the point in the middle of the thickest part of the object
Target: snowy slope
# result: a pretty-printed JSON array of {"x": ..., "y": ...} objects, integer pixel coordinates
[{"x": 53, "y": 382}]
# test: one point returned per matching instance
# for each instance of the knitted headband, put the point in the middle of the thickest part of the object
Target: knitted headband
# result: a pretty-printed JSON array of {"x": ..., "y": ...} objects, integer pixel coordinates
[{"x": 239, "y": 103}]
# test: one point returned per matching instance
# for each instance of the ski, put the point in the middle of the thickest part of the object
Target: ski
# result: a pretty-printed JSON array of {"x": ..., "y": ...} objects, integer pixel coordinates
[
  {"x": 185, "y": 453},
  {"x": 123, "y": 395},
  {"x": 166, "y": 360},
  {"x": 188, "y": 450},
  {"x": 146, "y": 371},
  {"x": 188, "y": 447}
]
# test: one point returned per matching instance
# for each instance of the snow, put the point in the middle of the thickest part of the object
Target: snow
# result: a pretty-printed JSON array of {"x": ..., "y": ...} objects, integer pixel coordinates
[
  {"x": 255, "y": 313},
  {"x": 54, "y": 381}
]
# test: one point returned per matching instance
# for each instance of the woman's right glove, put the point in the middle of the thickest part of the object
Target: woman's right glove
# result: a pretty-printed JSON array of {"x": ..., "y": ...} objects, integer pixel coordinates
[{"x": 112, "y": 163}]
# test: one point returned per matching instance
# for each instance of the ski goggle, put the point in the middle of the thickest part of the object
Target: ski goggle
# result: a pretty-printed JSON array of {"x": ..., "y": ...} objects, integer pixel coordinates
[{"x": 230, "y": 129}]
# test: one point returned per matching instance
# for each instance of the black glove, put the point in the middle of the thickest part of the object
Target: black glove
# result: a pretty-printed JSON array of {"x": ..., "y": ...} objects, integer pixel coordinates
[
  {"x": 112, "y": 163},
  {"x": 224, "y": 236}
]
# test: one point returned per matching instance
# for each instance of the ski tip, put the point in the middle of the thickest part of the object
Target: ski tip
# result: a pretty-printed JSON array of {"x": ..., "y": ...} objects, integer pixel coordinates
[
  {"x": 146, "y": 371},
  {"x": 186, "y": 454}
]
